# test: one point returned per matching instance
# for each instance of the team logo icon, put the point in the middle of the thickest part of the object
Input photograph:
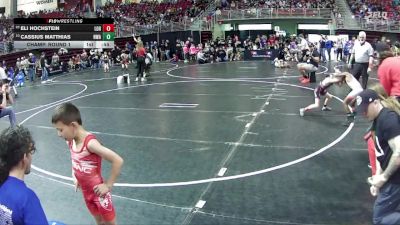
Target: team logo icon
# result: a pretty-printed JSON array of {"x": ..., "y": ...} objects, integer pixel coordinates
[
  {"x": 106, "y": 202},
  {"x": 358, "y": 100}
]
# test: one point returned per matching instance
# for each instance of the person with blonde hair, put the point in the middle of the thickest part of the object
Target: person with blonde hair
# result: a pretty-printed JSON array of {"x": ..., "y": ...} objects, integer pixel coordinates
[
  {"x": 141, "y": 55},
  {"x": 385, "y": 184},
  {"x": 388, "y": 102}
]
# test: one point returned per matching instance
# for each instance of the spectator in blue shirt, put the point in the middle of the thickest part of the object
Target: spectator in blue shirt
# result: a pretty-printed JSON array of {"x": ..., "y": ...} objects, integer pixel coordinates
[
  {"x": 19, "y": 205},
  {"x": 11, "y": 79},
  {"x": 329, "y": 46},
  {"x": 31, "y": 64}
]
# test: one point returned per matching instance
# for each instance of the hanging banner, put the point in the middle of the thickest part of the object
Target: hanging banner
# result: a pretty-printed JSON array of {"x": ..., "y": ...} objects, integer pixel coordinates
[
  {"x": 265, "y": 54},
  {"x": 5, "y": 7},
  {"x": 29, "y": 6}
]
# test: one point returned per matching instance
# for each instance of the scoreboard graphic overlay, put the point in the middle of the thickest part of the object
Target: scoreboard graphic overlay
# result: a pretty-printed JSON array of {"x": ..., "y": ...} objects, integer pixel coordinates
[{"x": 36, "y": 33}]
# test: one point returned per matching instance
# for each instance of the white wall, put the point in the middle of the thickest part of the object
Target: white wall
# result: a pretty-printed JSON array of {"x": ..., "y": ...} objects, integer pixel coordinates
[
  {"x": 7, "y": 4},
  {"x": 36, "y": 5}
]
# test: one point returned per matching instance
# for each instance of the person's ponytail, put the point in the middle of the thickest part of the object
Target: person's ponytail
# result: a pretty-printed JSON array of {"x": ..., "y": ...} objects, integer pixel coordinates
[
  {"x": 387, "y": 101},
  {"x": 392, "y": 103}
]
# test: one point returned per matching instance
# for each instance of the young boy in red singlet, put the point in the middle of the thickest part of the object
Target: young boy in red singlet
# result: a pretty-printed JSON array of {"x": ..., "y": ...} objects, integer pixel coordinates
[{"x": 87, "y": 154}]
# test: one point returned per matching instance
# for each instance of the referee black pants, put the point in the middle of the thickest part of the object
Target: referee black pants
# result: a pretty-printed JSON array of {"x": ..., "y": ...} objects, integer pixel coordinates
[
  {"x": 360, "y": 70},
  {"x": 141, "y": 65}
]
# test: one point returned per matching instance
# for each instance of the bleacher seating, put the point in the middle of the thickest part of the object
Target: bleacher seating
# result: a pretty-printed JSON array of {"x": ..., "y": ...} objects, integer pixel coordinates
[
  {"x": 146, "y": 13},
  {"x": 5, "y": 34},
  {"x": 376, "y": 10},
  {"x": 276, "y": 4}
]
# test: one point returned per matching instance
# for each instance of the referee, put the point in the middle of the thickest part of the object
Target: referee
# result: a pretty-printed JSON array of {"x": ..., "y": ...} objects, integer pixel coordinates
[{"x": 362, "y": 54}]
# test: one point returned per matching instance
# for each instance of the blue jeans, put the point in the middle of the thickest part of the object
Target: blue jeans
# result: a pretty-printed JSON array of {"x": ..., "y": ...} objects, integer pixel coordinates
[
  {"x": 11, "y": 115},
  {"x": 31, "y": 72},
  {"x": 45, "y": 74},
  {"x": 386, "y": 205},
  {"x": 328, "y": 50},
  {"x": 322, "y": 54}
]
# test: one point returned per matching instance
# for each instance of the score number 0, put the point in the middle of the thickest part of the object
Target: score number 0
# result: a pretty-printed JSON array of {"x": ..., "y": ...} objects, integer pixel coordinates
[{"x": 108, "y": 27}]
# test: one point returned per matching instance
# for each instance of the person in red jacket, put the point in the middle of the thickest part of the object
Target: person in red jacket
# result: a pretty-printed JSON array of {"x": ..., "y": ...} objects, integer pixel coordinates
[{"x": 389, "y": 76}]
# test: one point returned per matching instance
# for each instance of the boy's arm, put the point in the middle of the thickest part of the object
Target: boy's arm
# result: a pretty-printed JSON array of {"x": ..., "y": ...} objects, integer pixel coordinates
[
  {"x": 6, "y": 96},
  {"x": 351, "y": 57},
  {"x": 109, "y": 155},
  {"x": 371, "y": 58},
  {"x": 336, "y": 77},
  {"x": 378, "y": 167},
  {"x": 76, "y": 183},
  {"x": 10, "y": 99},
  {"x": 4, "y": 101}
]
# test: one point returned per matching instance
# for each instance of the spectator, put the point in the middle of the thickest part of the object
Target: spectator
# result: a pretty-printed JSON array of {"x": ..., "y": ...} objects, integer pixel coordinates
[
  {"x": 141, "y": 55},
  {"x": 221, "y": 55},
  {"x": 381, "y": 45},
  {"x": 389, "y": 75},
  {"x": 31, "y": 63},
  {"x": 329, "y": 46},
  {"x": 311, "y": 59},
  {"x": 18, "y": 203},
  {"x": 201, "y": 59},
  {"x": 322, "y": 48},
  {"x": 44, "y": 66},
  {"x": 339, "y": 50},
  {"x": 5, "y": 99},
  {"x": 55, "y": 60},
  {"x": 385, "y": 183},
  {"x": 303, "y": 46}
]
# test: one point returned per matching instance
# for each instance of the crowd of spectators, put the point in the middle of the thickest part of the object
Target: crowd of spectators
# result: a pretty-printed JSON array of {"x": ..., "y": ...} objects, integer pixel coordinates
[
  {"x": 376, "y": 10},
  {"x": 150, "y": 13},
  {"x": 5, "y": 35},
  {"x": 276, "y": 4},
  {"x": 144, "y": 13},
  {"x": 279, "y": 7}
]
